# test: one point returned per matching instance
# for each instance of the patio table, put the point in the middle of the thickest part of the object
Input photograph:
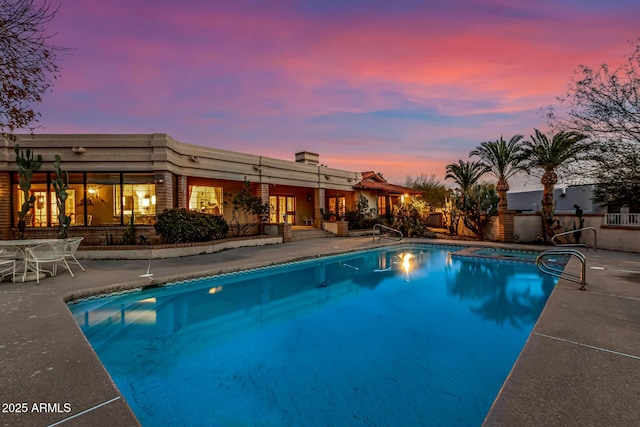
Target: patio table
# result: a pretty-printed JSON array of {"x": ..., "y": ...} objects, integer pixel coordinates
[{"x": 21, "y": 246}]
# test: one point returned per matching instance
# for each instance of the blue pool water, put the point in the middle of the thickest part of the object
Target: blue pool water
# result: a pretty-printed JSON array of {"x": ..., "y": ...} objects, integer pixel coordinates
[{"x": 401, "y": 336}]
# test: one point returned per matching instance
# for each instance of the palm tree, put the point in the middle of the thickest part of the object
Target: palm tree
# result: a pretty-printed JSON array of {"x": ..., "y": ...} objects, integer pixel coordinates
[
  {"x": 465, "y": 174},
  {"x": 503, "y": 160},
  {"x": 549, "y": 155}
]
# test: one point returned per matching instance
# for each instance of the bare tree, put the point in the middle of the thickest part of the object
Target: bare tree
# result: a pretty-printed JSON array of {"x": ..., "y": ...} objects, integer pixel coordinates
[
  {"x": 434, "y": 192},
  {"x": 27, "y": 61},
  {"x": 604, "y": 104}
]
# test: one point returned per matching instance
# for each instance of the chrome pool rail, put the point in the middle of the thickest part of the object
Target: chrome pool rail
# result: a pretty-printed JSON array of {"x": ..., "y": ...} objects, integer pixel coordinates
[
  {"x": 547, "y": 268},
  {"x": 595, "y": 238},
  {"x": 381, "y": 235}
]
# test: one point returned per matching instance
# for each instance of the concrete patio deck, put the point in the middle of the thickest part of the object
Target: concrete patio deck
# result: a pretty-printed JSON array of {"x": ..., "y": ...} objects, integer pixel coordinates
[{"x": 581, "y": 365}]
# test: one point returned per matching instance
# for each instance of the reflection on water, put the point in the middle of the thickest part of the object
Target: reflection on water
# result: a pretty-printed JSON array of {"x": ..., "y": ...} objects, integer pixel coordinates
[
  {"x": 354, "y": 334},
  {"x": 503, "y": 291},
  {"x": 500, "y": 293}
]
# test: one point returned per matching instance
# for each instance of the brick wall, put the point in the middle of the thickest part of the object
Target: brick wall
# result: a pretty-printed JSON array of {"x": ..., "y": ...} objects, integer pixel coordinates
[
  {"x": 505, "y": 226},
  {"x": 318, "y": 203},
  {"x": 263, "y": 192},
  {"x": 5, "y": 206},
  {"x": 183, "y": 192},
  {"x": 164, "y": 191}
]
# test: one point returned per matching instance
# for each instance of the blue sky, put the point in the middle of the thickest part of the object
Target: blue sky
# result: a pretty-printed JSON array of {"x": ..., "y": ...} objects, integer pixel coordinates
[{"x": 402, "y": 87}]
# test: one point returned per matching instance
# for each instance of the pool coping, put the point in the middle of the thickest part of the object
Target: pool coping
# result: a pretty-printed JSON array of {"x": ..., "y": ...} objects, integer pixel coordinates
[{"x": 50, "y": 361}]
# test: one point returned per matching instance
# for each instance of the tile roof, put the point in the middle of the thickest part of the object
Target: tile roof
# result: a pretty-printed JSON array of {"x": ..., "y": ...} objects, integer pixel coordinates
[{"x": 385, "y": 187}]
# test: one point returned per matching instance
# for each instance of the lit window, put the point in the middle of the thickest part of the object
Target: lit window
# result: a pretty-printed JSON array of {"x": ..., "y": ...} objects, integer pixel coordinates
[{"x": 206, "y": 199}]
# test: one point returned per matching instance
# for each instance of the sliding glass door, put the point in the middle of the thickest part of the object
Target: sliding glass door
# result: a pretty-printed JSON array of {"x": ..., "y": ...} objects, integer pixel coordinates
[{"x": 281, "y": 206}]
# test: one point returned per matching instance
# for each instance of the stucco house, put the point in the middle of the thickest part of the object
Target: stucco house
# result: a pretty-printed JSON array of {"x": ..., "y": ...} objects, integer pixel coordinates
[{"x": 116, "y": 177}]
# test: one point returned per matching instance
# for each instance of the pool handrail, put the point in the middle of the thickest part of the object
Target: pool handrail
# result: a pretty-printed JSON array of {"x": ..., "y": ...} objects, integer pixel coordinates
[
  {"x": 595, "y": 238},
  {"x": 389, "y": 229},
  {"x": 561, "y": 273}
]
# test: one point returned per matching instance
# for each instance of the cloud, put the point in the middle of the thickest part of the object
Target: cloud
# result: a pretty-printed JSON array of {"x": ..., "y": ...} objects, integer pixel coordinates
[{"x": 366, "y": 83}]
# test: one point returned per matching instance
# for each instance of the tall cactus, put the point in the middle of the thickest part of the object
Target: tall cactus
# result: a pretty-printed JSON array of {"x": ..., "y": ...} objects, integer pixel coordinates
[
  {"x": 578, "y": 228},
  {"x": 27, "y": 165},
  {"x": 61, "y": 185}
]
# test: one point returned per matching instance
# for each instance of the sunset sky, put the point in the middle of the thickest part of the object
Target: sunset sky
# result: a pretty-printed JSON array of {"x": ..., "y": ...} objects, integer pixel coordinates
[{"x": 400, "y": 87}]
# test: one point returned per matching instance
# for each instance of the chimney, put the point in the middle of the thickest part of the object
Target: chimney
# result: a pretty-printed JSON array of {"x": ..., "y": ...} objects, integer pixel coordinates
[{"x": 308, "y": 158}]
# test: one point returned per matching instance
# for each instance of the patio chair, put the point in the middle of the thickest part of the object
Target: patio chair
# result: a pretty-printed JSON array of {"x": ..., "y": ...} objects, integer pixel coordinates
[
  {"x": 8, "y": 258},
  {"x": 47, "y": 253},
  {"x": 72, "y": 248}
]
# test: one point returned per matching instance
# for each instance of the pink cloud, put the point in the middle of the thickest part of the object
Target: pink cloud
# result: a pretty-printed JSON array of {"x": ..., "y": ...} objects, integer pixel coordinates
[{"x": 308, "y": 76}]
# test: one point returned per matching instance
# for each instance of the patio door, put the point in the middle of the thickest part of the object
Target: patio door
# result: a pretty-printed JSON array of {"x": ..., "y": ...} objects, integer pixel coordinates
[{"x": 280, "y": 206}]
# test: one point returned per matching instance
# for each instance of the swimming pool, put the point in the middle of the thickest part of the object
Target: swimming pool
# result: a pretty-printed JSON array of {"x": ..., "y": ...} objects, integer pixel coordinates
[
  {"x": 509, "y": 254},
  {"x": 406, "y": 335}
]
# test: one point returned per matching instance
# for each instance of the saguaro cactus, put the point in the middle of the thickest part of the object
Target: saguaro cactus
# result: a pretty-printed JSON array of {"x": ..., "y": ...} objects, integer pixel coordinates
[
  {"x": 61, "y": 185},
  {"x": 27, "y": 165}
]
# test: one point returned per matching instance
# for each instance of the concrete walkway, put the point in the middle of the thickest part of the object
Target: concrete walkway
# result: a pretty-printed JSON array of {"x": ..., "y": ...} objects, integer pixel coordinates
[{"x": 581, "y": 365}]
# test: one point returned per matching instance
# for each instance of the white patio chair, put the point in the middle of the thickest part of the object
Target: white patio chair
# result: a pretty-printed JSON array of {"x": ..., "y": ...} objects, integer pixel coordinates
[
  {"x": 8, "y": 258},
  {"x": 72, "y": 248},
  {"x": 47, "y": 253}
]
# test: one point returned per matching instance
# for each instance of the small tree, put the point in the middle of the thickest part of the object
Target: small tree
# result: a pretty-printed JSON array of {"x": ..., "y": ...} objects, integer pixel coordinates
[
  {"x": 410, "y": 217},
  {"x": 604, "y": 103},
  {"x": 465, "y": 174},
  {"x": 27, "y": 61},
  {"x": 477, "y": 207},
  {"x": 248, "y": 211},
  {"x": 434, "y": 192},
  {"x": 61, "y": 185},
  {"x": 27, "y": 165},
  {"x": 453, "y": 220},
  {"x": 363, "y": 216}
]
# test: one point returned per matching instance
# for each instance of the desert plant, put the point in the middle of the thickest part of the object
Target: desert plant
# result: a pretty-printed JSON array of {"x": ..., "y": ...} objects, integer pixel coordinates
[
  {"x": 61, "y": 185},
  {"x": 477, "y": 207},
  {"x": 578, "y": 228},
  {"x": 27, "y": 165},
  {"x": 410, "y": 217},
  {"x": 129, "y": 235}
]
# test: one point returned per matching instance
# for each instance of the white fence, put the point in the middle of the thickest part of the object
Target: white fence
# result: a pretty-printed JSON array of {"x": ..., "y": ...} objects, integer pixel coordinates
[
  {"x": 527, "y": 227},
  {"x": 625, "y": 219}
]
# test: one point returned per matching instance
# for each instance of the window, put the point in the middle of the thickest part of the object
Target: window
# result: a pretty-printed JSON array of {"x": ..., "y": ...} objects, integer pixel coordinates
[
  {"x": 92, "y": 199},
  {"x": 382, "y": 205},
  {"x": 206, "y": 199},
  {"x": 136, "y": 200},
  {"x": 337, "y": 206},
  {"x": 40, "y": 211},
  {"x": 114, "y": 198},
  {"x": 279, "y": 206}
]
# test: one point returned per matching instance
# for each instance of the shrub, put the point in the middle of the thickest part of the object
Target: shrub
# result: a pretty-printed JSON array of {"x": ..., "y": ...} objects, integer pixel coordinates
[
  {"x": 183, "y": 226},
  {"x": 248, "y": 211},
  {"x": 362, "y": 217},
  {"x": 411, "y": 217}
]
